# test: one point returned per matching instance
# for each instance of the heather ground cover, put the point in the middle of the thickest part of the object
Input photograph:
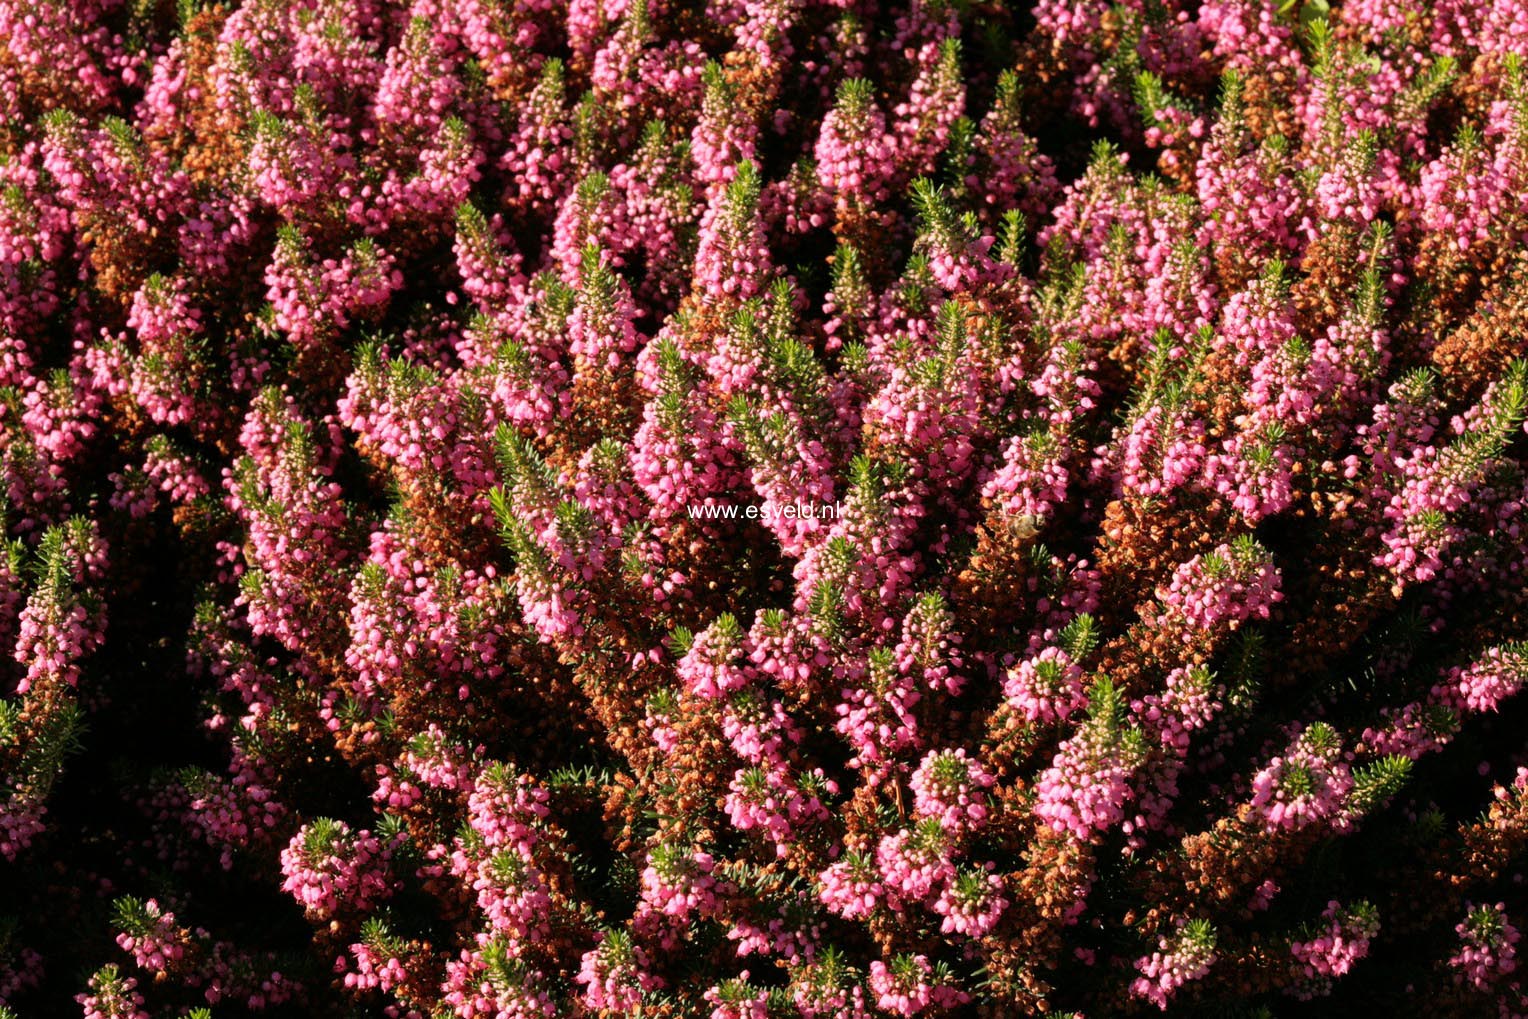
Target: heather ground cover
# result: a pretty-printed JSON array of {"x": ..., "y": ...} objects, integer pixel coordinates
[{"x": 763, "y": 508}]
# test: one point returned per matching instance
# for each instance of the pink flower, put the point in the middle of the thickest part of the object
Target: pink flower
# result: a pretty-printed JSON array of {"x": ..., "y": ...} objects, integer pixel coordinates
[
  {"x": 1180, "y": 959},
  {"x": 951, "y": 788},
  {"x": 1488, "y": 953},
  {"x": 1334, "y": 950},
  {"x": 910, "y": 985}
]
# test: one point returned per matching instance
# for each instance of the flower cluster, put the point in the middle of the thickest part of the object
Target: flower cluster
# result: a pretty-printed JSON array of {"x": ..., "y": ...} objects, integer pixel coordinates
[{"x": 420, "y": 421}]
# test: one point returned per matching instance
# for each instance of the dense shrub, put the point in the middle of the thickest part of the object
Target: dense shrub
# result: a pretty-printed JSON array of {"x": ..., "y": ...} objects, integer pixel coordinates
[{"x": 762, "y": 508}]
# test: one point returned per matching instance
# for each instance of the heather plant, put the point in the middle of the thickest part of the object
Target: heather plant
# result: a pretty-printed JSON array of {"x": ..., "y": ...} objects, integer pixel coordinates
[{"x": 751, "y": 509}]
